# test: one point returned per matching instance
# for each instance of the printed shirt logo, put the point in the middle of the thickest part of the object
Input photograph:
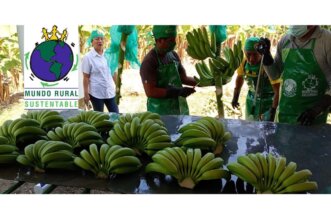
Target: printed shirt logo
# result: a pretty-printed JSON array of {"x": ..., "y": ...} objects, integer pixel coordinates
[
  {"x": 310, "y": 85},
  {"x": 289, "y": 88}
]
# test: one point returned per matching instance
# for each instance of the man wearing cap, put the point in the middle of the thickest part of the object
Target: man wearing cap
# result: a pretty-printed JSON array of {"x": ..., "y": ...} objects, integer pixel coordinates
[
  {"x": 99, "y": 86},
  {"x": 162, "y": 75},
  {"x": 266, "y": 102}
]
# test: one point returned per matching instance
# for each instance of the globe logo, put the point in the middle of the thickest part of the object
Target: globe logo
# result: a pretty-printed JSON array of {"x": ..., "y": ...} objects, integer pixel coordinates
[{"x": 52, "y": 59}]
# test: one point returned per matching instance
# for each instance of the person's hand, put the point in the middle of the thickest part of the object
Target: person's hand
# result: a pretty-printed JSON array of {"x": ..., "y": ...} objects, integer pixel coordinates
[
  {"x": 263, "y": 47},
  {"x": 87, "y": 101},
  {"x": 179, "y": 91},
  {"x": 308, "y": 116},
  {"x": 186, "y": 91},
  {"x": 235, "y": 104}
]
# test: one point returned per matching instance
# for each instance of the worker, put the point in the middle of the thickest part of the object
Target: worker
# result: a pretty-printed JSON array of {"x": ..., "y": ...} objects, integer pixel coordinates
[
  {"x": 303, "y": 62},
  {"x": 265, "y": 90},
  {"x": 163, "y": 75}
]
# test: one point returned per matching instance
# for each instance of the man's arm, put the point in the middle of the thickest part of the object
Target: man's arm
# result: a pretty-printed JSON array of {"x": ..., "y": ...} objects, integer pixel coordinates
[{"x": 273, "y": 67}]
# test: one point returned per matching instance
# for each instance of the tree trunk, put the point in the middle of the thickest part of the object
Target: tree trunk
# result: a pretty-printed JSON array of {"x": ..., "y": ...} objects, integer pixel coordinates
[
  {"x": 121, "y": 57},
  {"x": 1, "y": 88},
  {"x": 6, "y": 91}
]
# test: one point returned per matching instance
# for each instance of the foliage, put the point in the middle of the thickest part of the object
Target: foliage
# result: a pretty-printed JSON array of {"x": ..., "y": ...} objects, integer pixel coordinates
[{"x": 10, "y": 66}]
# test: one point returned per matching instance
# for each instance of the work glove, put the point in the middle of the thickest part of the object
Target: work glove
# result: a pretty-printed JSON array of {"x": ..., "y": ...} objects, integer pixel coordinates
[
  {"x": 308, "y": 116},
  {"x": 235, "y": 98},
  {"x": 263, "y": 47},
  {"x": 179, "y": 91}
]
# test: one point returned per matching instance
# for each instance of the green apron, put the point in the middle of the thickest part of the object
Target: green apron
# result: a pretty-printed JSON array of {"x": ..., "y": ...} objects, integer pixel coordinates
[
  {"x": 264, "y": 98},
  {"x": 303, "y": 85},
  {"x": 168, "y": 75}
]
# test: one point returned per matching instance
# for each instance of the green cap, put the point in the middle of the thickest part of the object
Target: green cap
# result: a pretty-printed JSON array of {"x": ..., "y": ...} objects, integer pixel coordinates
[
  {"x": 164, "y": 31},
  {"x": 250, "y": 43},
  {"x": 94, "y": 34}
]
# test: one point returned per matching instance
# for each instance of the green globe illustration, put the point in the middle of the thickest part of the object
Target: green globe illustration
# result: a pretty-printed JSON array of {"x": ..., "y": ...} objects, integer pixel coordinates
[{"x": 51, "y": 60}]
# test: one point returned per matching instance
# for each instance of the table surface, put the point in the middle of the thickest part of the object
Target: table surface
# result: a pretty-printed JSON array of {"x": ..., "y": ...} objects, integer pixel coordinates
[{"x": 309, "y": 147}]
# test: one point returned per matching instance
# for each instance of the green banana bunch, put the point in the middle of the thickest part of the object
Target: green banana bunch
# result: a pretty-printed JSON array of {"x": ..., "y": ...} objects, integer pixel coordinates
[
  {"x": 142, "y": 132},
  {"x": 269, "y": 174},
  {"x": 233, "y": 57},
  {"x": 188, "y": 167},
  {"x": 142, "y": 116},
  {"x": 99, "y": 120},
  {"x": 207, "y": 134},
  {"x": 76, "y": 134},
  {"x": 47, "y": 155},
  {"x": 199, "y": 47},
  {"x": 108, "y": 160},
  {"x": 206, "y": 75},
  {"x": 22, "y": 132},
  {"x": 8, "y": 153},
  {"x": 48, "y": 119}
]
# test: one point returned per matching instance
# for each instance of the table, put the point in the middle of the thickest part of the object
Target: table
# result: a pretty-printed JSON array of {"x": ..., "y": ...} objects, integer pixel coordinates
[{"x": 309, "y": 147}]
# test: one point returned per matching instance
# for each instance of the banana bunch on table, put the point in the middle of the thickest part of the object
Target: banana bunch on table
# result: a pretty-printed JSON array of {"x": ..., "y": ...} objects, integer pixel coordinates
[
  {"x": 48, "y": 119},
  {"x": 22, "y": 131},
  {"x": 271, "y": 175},
  {"x": 108, "y": 160},
  {"x": 145, "y": 133},
  {"x": 44, "y": 155},
  {"x": 8, "y": 153},
  {"x": 189, "y": 167},
  {"x": 207, "y": 134}
]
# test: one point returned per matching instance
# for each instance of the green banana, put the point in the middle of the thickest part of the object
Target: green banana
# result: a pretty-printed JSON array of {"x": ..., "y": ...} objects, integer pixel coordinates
[
  {"x": 82, "y": 163},
  {"x": 214, "y": 174},
  {"x": 247, "y": 162},
  {"x": 62, "y": 155},
  {"x": 6, "y": 149},
  {"x": 300, "y": 187},
  {"x": 243, "y": 173},
  {"x": 103, "y": 151},
  {"x": 95, "y": 153},
  {"x": 22, "y": 159},
  {"x": 166, "y": 162},
  {"x": 124, "y": 161},
  {"x": 200, "y": 141},
  {"x": 8, "y": 158}
]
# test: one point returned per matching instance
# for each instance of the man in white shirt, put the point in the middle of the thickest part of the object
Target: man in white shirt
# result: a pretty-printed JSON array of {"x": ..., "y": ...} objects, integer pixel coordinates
[{"x": 99, "y": 86}]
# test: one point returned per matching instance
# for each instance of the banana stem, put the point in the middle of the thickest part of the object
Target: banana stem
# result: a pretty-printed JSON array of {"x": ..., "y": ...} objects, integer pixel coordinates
[
  {"x": 120, "y": 67},
  {"x": 218, "y": 49},
  {"x": 187, "y": 183},
  {"x": 219, "y": 86},
  {"x": 218, "y": 149},
  {"x": 102, "y": 174},
  {"x": 219, "y": 95}
]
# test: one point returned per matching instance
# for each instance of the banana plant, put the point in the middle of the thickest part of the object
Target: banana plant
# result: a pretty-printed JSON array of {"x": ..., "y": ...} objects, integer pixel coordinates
[
  {"x": 10, "y": 65},
  {"x": 218, "y": 77}
]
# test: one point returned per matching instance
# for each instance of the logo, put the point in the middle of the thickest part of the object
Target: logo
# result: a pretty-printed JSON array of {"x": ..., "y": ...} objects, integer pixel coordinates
[
  {"x": 52, "y": 59},
  {"x": 310, "y": 85},
  {"x": 289, "y": 88},
  {"x": 50, "y": 71}
]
